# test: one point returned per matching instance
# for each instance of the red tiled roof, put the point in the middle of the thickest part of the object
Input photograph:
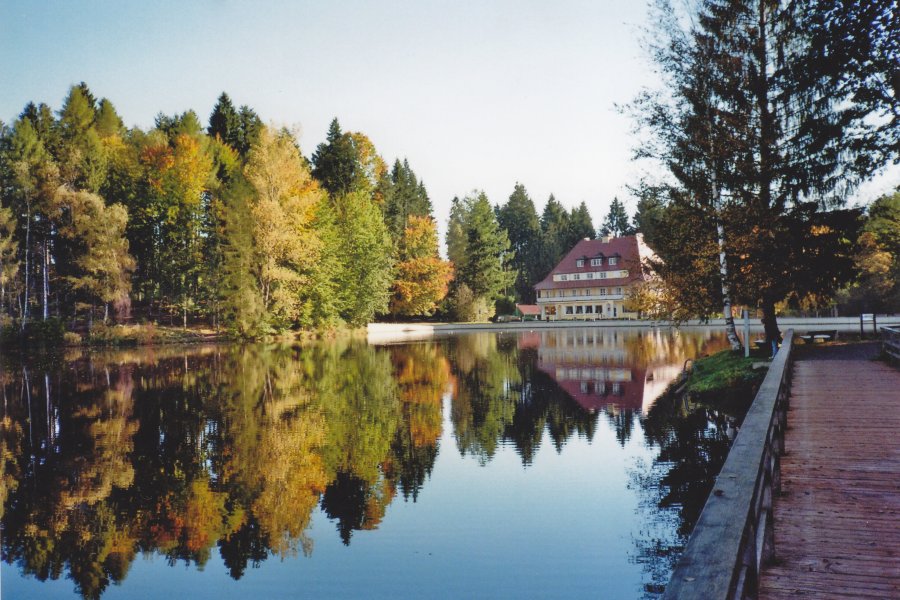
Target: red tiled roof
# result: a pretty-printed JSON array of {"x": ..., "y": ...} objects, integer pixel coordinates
[
  {"x": 627, "y": 248},
  {"x": 528, "y": 309}
]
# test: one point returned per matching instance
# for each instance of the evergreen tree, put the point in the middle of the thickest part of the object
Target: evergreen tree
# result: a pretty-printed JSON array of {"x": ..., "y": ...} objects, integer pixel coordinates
[
  {"x": 108, "y": 122},
  {"x": 554, "y": 236},
  {"x": 580, "y": 226},
  {"x": 456, "y": 232},
  {"x": 754, "y": 148},
  {"x": 486, "y": 270},
  {"x": 406, "y": 197},
  {"x": 243, "y": 302},
  {"x": 519, "y": 219},
  {"x": 334, "y": 162},
  {"x": 649, "y": 212},
  {"x": 80, "y": 154},
  {"x": 616, "y": 222},
  {"x": 225, "y": 123},
  {"x": 250, "y": 128}
]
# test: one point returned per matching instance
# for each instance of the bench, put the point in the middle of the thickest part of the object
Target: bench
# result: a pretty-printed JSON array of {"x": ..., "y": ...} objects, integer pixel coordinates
[{"x": 826, "y": 336}]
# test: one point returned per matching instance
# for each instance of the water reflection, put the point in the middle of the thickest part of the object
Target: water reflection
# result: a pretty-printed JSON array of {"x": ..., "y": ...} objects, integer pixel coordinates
[{"x": 188, "y": 453}]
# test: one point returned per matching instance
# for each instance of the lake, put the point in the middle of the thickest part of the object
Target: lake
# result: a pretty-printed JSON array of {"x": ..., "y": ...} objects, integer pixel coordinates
[{"x": 526, "y": 464}]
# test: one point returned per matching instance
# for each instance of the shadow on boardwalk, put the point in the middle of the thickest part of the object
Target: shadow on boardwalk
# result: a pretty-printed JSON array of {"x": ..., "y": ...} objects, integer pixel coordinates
[{"x": 837, "y": 521}]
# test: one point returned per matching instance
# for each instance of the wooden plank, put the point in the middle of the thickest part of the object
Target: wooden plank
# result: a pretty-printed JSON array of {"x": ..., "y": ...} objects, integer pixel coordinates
[{"x": 837, "y": 531}]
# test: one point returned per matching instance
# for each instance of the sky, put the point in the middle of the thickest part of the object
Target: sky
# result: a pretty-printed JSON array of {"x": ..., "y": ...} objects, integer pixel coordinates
[{"x": 476, "y": 95}]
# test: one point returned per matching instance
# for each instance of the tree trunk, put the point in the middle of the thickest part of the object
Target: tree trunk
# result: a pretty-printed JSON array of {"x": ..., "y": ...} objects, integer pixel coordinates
[
  {"x": 730, "y": 329},
  {"x": 45, "y": 283},
  {"x": 27, "y": 263},
  {"x": 770, "y": 323},
  {"x": 105, "y": 313}
]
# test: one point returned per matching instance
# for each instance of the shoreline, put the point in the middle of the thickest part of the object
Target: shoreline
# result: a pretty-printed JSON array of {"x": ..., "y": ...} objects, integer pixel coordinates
[{"x": 386, "y": 333}]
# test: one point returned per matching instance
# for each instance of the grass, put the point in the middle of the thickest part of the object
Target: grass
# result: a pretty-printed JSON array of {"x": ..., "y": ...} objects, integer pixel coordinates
[{"x": 725, "y": 373}]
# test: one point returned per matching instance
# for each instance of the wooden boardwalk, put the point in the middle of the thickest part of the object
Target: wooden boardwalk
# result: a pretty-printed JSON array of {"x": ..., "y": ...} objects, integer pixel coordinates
[{"x": 837, "y": 522}]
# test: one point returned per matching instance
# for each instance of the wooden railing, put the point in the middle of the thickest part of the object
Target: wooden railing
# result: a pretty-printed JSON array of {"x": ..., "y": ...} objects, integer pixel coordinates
[
  {"x": 734, "y": 535},
  {"x": 890, "y": 341}
]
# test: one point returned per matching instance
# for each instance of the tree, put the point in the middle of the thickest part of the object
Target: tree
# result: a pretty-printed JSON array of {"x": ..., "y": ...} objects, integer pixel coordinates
[
  {"x": 580, "y": 226},
  {"x": 486, "y": 269},
  {"x": 169, "y": 231},
  {"x": 281, "y": 211},
  {"x": 749, "y": 144},
  {"x": 554, "y": 236},
  {"x": 225, "y": 123},
  {"x": 335, "y": 162},
  {"x": 647, "y": 217},
  {"x": 877, "y": 258},
  {"x": 519, "y": 219},
  {"x": 406, "y": 197},
  {"x": 616, "y": 222},
  {"x": 107, "y": 122},
  {"x": 422, "y": 277},
  {"x": 364, "y": 253},
  {"x": 852, "y": 57},
  {"x": 102, "y": 267},
  {"x": 9, "y": 265}
]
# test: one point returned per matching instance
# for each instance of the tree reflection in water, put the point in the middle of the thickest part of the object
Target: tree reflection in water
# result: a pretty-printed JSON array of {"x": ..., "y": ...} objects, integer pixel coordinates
[
  {"x": 183, "y": 452},
  {"x": 693, "y": 440}
]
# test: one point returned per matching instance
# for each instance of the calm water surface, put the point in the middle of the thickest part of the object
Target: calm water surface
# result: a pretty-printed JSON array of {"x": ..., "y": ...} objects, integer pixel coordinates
[{"x": 486, "y": 465}]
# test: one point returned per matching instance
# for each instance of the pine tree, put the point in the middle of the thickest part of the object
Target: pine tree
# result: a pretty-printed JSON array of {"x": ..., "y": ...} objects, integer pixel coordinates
[
  {"x": 554, "y": 236},
  {"x": 616, "y": 222},
  {"x": 580, "y": 226},
  {"x": 108, "y": 122},
  {"x": 486, "y": 270},
  {"x": 519, "y": 219},
  {"x": 334, "y": 162},
  {"x": 225, "y": 123},
  {"x": 755, "y": 149},
  {"x": 406, "y": 197}
]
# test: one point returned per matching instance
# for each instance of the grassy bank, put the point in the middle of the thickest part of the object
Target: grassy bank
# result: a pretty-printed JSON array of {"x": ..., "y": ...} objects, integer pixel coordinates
[
  {"x": 53, "y": 334},
  {"x": 723, "y": 378}
]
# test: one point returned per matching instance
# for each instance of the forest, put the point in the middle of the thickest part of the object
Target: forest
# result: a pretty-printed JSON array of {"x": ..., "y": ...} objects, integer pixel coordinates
[{"x": 232, "y": 227}]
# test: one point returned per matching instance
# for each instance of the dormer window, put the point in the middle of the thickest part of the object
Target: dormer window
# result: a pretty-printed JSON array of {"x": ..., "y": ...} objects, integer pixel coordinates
[
  {"x": 579, "y": 262},
  {"x": 596, "y": 262},
  {"x": 613, "y": 260}
]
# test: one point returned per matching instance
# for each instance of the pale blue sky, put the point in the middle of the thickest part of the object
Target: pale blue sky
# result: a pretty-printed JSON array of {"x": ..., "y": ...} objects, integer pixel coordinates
[{"x": 474, "y": 94}]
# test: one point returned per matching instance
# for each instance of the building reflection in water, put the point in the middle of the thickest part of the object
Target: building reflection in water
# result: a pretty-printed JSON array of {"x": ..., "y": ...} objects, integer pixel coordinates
[{"x": 619, "y": 369}]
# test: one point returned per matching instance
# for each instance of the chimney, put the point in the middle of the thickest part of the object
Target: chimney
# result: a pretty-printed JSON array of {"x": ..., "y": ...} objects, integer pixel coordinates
[{"x": 605, "y": 239}]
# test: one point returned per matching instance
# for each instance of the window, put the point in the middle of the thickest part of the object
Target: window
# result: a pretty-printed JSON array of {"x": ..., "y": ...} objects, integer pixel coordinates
[
  {"x": 613, "y": 260},
  {"x": 619, "y": 291},
  {"x": 598, "y": 309},
  {"x": 602, "y": 274},
  {"x": 589, "y": 310},
  {"x": 602, "y": 291},
  {"x": 568, "y": 310},
  {"x": 579, "y": 310},
  {"x": 563, "y": 277},
  {"x": 576, "y": 276},
  {"x": 579, "y": 262},
  {"x": 596, "y": 262},
  {"x": 590, "y": 275}
]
